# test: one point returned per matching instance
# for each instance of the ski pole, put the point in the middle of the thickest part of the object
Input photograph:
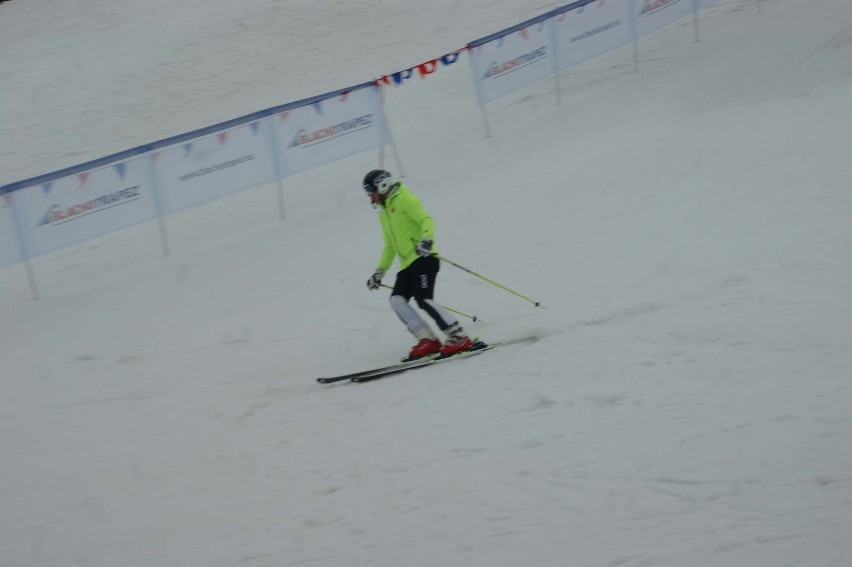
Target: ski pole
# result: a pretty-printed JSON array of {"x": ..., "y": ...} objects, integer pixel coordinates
[
  {"x": 473, "y": 318},
  {"x": 492, "y": 282}
]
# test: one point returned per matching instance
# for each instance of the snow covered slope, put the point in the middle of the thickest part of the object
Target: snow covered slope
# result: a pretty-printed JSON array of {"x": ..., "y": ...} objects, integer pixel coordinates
[{"x": 687, "y": 402}]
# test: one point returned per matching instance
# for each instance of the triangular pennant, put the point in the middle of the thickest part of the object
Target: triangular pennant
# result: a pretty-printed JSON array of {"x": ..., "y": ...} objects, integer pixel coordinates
[
  {"x": 385, "y": 80},
  {"x": 401, "y": 76},
  {"x": 524, "y": 33},
  {"x": 83, "y": 177},
  {"x": 121, "y": 169},
  {"x": 222, "y": 136},
  {"x": 47, "y": 188},
  {"x": 254, "y": 128},
  {"x": 343, "y": 96},
  {"x": 7, "y": 201},
  {"x": 427, "y": 68},
  {"x": 283, "y": 115},
  {"x": 450, "y": 58},
  {"x": 187, "y": 149},
  {"x": 318, "y": 107},
  {"x": 500, "y": 41}
]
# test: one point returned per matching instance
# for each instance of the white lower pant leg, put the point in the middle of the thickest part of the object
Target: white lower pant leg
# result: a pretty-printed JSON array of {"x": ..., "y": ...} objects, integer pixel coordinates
[{"x": 416, "y": 325}]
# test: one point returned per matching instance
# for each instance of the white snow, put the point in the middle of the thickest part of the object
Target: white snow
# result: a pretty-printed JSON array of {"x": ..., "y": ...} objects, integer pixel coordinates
[{"x": 687, "y": 228}]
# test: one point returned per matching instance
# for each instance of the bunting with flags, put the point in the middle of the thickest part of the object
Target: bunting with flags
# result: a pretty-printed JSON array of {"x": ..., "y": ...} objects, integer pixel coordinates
[{"x": 422, "y": 70}]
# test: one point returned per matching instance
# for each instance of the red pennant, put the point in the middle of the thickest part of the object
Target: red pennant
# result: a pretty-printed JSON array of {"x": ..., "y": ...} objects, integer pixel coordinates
[
  {"x": 428, "y": 68},
  {"x": 222, "y": 136}
]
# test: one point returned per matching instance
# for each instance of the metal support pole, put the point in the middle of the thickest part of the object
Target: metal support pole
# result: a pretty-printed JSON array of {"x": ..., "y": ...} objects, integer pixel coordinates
[
  {"x": 154, "y": 179},
  {"x": 25, "y": 255},
  {"x": 272, "y": 140}
]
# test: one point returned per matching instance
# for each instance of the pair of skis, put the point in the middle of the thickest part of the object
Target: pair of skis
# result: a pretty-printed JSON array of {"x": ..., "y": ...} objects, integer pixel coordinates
[{"x": 368, "y": 375}]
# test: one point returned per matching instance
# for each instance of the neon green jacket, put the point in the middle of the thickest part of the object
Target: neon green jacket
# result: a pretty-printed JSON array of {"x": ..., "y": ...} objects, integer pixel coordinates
[{"x": 404, "y": 224}]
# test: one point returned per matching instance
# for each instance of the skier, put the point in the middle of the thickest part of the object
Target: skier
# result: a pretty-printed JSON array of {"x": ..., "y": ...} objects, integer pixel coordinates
[{"x": 409, "y": 233}]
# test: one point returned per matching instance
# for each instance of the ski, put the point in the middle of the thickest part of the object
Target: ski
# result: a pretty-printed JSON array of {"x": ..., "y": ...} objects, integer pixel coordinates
[
  {"x": 393, "y": 367},
  {"x": 477, "y": 348},
  {"x": 376, "y": 373}
]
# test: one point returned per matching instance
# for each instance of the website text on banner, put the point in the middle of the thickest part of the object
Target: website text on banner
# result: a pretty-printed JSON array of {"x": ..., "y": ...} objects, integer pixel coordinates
[
  {"x": 591, "y": 30},
  {"x": 204, "y": 169}
]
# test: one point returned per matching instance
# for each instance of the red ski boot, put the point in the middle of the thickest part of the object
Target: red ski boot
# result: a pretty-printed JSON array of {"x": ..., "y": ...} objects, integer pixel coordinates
[
  {"x": 424, "y": 348},
  {"x": 456, "y": 344},
  {"x": 457, "y": 341}
]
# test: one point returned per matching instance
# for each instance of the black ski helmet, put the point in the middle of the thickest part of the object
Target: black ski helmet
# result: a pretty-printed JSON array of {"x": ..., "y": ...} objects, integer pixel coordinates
[{"x": 378, "y": 180}]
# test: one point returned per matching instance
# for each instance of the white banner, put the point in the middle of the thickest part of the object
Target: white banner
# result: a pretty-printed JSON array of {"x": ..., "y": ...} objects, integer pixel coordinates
[
  {"x": 591, "y": 30},
  {"x": 10, "y": 250},
  {"x": 206, "y": 168},
  {"x": 86, "y": 205},
  {"x": 512, "y": 61},
  {"x": 651, "y": 15},
  {"x": 330, "y": 129}
]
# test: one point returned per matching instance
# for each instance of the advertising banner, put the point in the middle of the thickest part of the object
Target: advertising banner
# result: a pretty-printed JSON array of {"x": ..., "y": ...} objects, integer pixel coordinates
[
  {"x": 512, "y": 61},
  {"x": 329, "y": 129},
  {"x": 206, "y": 168},
  {"x": 651, "y": 15},
  {"x": 85, "y": 205},
  {"x": 10, "y": 250},
  {"x": 591, "y": 30}
]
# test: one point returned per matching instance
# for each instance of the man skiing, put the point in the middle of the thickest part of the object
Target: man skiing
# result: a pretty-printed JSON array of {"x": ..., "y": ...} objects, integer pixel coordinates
[{"x": 409, "y": 233}]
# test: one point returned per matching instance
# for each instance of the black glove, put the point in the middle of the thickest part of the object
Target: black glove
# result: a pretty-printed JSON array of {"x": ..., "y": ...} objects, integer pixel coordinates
[
  {"x": 375, "y": 281},
  {"x": 424, "y": 248}
]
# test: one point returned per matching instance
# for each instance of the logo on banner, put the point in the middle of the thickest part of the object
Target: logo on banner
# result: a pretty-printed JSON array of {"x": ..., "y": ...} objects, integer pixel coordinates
[
  {"x": 500, "y": 69},
  {"x": 651, "y": 6},
  {"x": 303, "y": 138},
  {"x": 58, "y": 215}
]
